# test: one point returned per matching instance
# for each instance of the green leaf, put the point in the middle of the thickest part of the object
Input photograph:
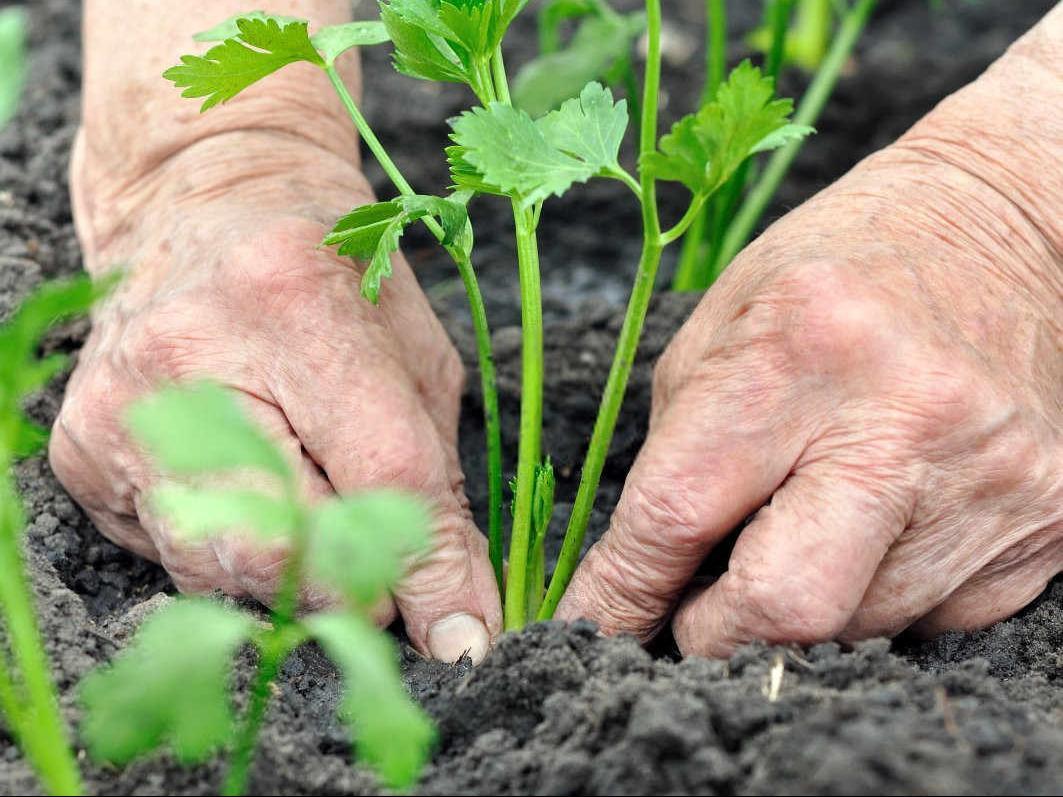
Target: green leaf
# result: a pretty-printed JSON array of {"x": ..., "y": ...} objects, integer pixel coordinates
[
  {"x": 264, "y": 45},
  {"x": 372, "y": 232},
  {"x": 509, "y": 153},
  {"x": 21, "y": 372},
  {"x": 230, "y": 29},
  {"x": 12, "y": 60},
  {"x": 703, "y": 150},
  {"x": 590, "y": 128},
  {"x": 169, "y": 688},
  {"x": 199, "y": 512},
  {"x": 198, "y": 429},
  {"x": 391, "y": 733},
  {"x": 447, "y": 40},
  {"x": 362, "y": 545},
  {"x": 424, "y": 46},
  {"x": 335, "y": 40},
  {"x": 598, "y": 45}
]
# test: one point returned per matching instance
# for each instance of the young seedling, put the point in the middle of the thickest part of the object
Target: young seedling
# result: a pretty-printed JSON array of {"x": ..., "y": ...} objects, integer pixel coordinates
[
  {"x": 27, "y": 696},
  {"x": 12, "y": 60},
  {"x": 729, "y": 221},
  {"x": 171, "y": 687},
  {"x": 501, "y": 149}
]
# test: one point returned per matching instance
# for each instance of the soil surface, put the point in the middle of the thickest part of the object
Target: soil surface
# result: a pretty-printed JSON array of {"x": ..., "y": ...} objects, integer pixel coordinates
[{"x": 555, "y": 710}]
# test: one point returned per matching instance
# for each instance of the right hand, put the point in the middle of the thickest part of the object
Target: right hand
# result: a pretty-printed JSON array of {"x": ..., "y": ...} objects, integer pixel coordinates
[{"x": 226, "y": 281}]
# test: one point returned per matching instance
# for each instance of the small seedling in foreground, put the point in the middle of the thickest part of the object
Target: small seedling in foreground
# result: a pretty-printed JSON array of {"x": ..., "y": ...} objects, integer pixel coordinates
[
  {"x": 499, "y": 148},
  {"x": 27, "y": 696},
  {"x": 170, "y": 689}
]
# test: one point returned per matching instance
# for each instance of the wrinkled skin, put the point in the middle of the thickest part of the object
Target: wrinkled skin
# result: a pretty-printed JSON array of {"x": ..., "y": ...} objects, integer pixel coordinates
[
  {"x": 233, "y": 288},
  {"x": 878, "y": 377}
]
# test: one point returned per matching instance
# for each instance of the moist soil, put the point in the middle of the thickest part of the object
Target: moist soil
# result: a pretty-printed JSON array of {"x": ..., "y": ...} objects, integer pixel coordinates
[{"x": 555, "y": 709}]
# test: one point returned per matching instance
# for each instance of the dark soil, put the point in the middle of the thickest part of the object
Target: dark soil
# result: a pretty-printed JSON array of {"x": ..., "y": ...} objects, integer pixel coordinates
[{"x": 556, "y": 710}]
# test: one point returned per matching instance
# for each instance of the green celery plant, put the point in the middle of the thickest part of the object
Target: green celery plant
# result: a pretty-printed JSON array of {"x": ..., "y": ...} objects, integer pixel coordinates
[
  {"x": 170, "y": 688},
  {"x": 27, "y": 695},
  {"x": 500, "y": 149},
  {"x": 729, "y": 221}
]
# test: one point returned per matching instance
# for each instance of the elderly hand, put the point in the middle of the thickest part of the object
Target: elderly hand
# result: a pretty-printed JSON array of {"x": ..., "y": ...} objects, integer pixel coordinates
[
  {"x": 218, "y": 219},
  {"x": 879, "y": 379}
]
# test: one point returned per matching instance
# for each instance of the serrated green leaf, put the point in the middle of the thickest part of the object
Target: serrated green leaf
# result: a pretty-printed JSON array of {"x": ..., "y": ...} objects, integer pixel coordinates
[
  {"x": 598, "y": 45},
  {"x": 335, "y": 40},
  {"x": 358, "y": 234},
  {"x": 263, "y": 46},
  {"x": 12, "y": 60},
  {"x": 199, "y": 429},
  {"x": 503, "y": 149},
  {"x": 703, "y": 150},
  {"x": 447, "y": 40},
  {"x": 590, "y": 127},
  {"x": 362, "y": 545},
  {"x": 372, "y": 233},
  {"x": 198, "y": 512},
  {"x": 170, "y": 688},
  {"x": 421, "y": 49},
  {"x": 391, "y": 733}
]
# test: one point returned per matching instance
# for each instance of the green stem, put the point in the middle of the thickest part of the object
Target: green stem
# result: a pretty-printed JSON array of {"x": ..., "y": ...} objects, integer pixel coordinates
[
  {"x": 752, "y": 209},
  {"x": 779, "y": 14},
  {"x": 693, "y": 214},
  {"x": 716, "y": 47},
  {"x": 481, "y": 327},
  {"x": 38, "y": 724},
  {"x": 627, "y": 346},
  {"x": 492, "y": 418},
  {"x": 622, "y": 175},
  {"x": 693, "y": 255},
  {"x": 531, "y": 417},
  {"x": 275, "y": 646},
  {"x": 501, "y": 82},
  {"x": 690, "y": 271},
  {"x": 367, "y": 134}
]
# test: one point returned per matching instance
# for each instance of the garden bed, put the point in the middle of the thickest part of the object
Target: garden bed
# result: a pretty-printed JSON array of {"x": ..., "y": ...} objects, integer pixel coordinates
[{"x": 555, "y": 710}]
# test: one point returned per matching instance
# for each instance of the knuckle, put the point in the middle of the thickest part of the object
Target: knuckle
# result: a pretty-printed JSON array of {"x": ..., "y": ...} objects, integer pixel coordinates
[
  {"x": 399, "y": 459},
  {"x": 624, "y": 597},
  {"x": 780, "y": 612},
  {"x": 820, "y": 318},
  {"x": 672, "y": 514},
  {"x": 158, "y": 348}
]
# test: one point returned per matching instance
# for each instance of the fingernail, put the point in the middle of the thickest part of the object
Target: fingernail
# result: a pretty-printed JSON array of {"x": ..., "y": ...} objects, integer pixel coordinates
[{"x": 459, "y": 635}]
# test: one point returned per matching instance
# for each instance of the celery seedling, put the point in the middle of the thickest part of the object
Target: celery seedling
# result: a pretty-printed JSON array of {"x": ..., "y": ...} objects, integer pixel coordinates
[
  {"x": 27, "y": 696},
  {"x": 170, "y": 688},
  {"x": 501, "y": 149},
  {"x": 728, "y": 222}
]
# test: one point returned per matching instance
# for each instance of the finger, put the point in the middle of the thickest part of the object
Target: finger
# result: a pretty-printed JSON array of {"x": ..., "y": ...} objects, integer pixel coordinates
[
  {"x": 376, "y": 433},
  {"x": 695, "y": 480},
  {"x": 799, "y": 570}
]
